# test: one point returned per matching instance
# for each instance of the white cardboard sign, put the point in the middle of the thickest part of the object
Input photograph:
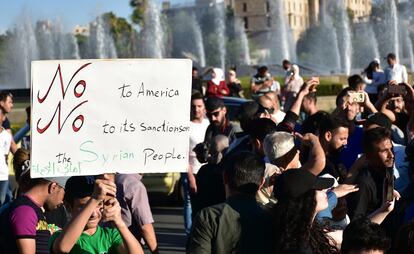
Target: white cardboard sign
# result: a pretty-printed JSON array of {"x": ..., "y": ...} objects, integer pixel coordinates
[{"x": 102, "y": 116}]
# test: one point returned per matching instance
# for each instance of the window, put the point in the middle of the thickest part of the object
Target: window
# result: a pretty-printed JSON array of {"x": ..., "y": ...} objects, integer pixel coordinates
[
  {"x": 244, "y": 7},
  {"x": 246, "y": 23},
  {"x": 267, "y": 7},
  {"x": 268, "y": 21}
]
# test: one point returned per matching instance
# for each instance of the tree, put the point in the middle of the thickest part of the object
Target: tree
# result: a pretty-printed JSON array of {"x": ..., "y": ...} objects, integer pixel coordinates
[
  {"x": 138, "y": 11},
  {"x": 123, "y": 33}
]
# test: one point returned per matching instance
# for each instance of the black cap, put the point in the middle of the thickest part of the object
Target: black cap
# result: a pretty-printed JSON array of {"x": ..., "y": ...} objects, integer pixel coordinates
[
  {"x": 379, "y": 119},
  {"x": 79, "y": 187},
  {"x": 214, "y": 103},
  {"x": 295, "y": 182}
]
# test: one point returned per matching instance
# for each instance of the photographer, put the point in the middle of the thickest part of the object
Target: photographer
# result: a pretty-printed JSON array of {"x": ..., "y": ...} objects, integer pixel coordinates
[
  {"x": 219, "y": 124},
  {"x": 263, "y": 82},
  {"x": 395, "y": 101}
]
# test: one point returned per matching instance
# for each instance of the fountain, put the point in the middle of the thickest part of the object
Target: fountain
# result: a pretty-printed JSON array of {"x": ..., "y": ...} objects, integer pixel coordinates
[
  {"x": 153, "y": 45},
  {"x": 220, "y": 26},
  {"x": 242, "y": 38},
  {"x": 406, "y": 47},
  {"x": 279, "y": 41},
  {"x": 198, "y": 38},
  {"x": 343, "y": 36},
  {"x": 101, "y": 43},
  {"x": 365, "y": 45},
  {"x": 21, "y": 50}
]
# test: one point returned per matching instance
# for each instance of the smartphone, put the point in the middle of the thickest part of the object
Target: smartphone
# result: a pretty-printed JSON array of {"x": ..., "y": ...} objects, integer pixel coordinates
[
  {"x": 357, "y": 97},
  {"x": 397, "y": 89},
  {"x": 389, "y": 184}
]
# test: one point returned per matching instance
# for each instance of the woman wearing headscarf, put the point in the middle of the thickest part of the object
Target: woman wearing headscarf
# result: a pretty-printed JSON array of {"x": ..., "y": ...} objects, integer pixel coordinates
[
  {"x": 292, "y": 87},
  {"x": 217, "y": 87}
]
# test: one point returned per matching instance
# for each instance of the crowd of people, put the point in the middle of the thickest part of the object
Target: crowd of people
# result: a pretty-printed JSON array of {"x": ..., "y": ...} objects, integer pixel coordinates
[
  {"x": 288, "y": 178},
  {"x": 296, "y": 179}
]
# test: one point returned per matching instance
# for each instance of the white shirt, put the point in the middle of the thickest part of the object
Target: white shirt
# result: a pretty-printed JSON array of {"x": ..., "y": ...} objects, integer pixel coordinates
[
  {"x": 197, "y": 133},
  {"x": 5, "y": 141},
  {"x": 398, "y": 73}
]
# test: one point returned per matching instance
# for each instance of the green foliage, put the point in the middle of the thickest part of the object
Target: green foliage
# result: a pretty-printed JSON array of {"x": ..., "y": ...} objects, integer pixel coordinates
[
  {"x": 123, "y": 34},
  {"x": 138, "y": 11}
]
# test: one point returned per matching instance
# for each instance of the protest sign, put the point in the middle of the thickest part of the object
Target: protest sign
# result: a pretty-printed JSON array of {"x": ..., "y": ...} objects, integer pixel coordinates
[{"x": 103, "y": 116}]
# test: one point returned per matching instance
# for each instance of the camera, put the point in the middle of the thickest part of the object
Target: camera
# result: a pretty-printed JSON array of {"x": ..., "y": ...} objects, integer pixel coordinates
[
  {"x": 357, "y": 97},
  {"x": 202, "y": 152}
]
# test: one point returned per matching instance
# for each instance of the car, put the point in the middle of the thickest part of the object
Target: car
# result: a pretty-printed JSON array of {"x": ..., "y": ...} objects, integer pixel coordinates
[{"x": 169, "y": 184}]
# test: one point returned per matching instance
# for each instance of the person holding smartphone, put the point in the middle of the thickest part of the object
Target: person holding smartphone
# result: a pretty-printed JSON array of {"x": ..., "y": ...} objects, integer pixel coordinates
[{"x": 371, "y": 200}]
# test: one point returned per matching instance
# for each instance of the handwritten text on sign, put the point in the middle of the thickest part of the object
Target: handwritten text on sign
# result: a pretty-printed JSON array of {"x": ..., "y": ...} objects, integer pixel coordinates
[{"x": 96, "y": 116}]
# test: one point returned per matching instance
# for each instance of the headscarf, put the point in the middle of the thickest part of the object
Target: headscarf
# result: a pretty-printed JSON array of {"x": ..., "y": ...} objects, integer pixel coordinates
[{"x": 219, "y": 76}]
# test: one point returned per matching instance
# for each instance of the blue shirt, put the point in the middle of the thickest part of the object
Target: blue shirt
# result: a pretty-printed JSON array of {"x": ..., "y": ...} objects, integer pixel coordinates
[{"x": 354, "y": 147}]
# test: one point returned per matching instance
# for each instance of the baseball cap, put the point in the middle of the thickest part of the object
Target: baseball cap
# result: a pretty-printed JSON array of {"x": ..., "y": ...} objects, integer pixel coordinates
[
  {"x": 214, "y": 103},
  {"x": 25, "y": 167},
  {"x": 295, "y": 182},
  {"x": 79, "y": 187},
  {"x": 285, "y": 142},
  {"x": 59, "y": 180},
  {"x": 379, "y": 119}
]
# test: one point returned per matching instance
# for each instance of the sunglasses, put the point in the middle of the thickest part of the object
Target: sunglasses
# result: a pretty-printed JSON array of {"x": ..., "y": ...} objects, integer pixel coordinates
[
  {"x": 270, "y": 110},
  {"x": 211, "y": 114}
]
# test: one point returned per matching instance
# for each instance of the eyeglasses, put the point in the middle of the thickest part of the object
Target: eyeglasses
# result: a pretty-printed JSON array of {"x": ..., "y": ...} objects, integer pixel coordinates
[
  {"x": 270, "y": 110},
  {"x": 211, "y": 114}
]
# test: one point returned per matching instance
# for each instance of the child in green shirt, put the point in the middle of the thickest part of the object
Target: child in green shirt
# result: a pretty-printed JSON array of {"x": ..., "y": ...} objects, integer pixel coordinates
[{"x": 85, "y": 198}]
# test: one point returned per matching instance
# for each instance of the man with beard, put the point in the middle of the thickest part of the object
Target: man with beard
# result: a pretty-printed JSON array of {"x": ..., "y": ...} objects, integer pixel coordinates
[
  {"x": 370, "y": 180},
  {"x": 348, "y": 109},
  {"x": 219, "y": 123},
  {"x": 333, "y": 137}
]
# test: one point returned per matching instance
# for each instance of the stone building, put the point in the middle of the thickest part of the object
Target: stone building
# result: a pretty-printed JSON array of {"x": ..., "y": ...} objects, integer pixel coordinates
[{"x": 300, "y": 14}]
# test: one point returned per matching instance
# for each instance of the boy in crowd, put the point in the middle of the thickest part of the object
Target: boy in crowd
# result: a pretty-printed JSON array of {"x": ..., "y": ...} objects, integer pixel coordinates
[
  {"x": 89, "y": 202},
  {"x": 24, "y": 227}
]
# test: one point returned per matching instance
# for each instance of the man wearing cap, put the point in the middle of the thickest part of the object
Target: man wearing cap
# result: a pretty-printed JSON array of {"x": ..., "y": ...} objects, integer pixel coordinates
[
  {"x": 24, "y": 228},
  {"x": 280, "y": 149},
  {"x": 395, "y": 71},
  {"x": 238, "y": 225},
  {"x": 219, "y": 122}
]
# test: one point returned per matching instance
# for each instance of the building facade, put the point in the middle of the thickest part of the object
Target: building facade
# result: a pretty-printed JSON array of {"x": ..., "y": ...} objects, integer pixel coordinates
[{"x": 299, "y": 14}]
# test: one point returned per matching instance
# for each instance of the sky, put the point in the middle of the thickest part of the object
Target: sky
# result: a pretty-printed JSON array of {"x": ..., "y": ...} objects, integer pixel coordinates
[{"x": 70, "y": 12}]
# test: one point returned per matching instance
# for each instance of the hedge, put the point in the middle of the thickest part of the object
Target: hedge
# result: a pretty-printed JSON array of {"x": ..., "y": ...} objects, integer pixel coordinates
[{"x": 325, "y": 88}]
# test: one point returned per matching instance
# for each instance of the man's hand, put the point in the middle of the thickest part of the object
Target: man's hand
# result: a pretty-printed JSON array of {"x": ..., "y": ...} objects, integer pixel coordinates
[
  {"x": 388, "y": 206},
  {"x": 112, "y": 212},
  {"x": 103, "y": 188},
  {"x": 308, "y": 139},
  {"x": 192, "y": 184},
  {"x": 344, "y": 189},
  {"x": 309, "y": 86}
]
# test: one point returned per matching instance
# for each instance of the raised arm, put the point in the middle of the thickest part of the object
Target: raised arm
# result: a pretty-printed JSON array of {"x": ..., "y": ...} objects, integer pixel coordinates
[
  {"x": 316, "y": 161},
  {"x": 71, "y": 233},
  {"x": 130, "y": 244}
]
